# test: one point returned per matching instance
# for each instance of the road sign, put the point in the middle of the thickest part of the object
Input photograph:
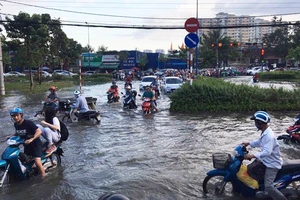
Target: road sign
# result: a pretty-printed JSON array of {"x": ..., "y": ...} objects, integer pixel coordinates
[
  {"x": 191, "y": 25},
  {"x": 191, "y": 40}
]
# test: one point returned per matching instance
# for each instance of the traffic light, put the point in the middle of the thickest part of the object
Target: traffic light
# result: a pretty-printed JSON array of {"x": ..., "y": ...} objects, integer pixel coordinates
[
  {"x": 220, "y": 44},
  {"x": 262, "y": 52},
  {"x": 212, "y": 45},
  {"x": 231, "y": 44}
]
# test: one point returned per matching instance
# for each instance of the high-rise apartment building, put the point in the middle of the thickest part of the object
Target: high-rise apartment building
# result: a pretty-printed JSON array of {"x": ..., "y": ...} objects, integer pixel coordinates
[{"x": 240, "y": 34}]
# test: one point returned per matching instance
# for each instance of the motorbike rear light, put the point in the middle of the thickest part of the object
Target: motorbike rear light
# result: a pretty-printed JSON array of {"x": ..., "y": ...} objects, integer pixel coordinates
[{"x": 221, "y": 160}]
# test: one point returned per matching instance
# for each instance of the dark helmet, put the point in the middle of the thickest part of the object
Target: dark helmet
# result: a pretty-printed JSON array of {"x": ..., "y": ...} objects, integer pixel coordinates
[
  {"x": 261, "y": 116},
  {"x": 15, "y": 111},
  {"x": 297, "y": 120},
  {"x": 114, "y": 197},
  {"x": 114, "y": 83}
]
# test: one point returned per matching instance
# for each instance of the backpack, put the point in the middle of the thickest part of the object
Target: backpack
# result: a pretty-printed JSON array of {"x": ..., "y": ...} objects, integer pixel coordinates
[{"x": 64, "y": 132}]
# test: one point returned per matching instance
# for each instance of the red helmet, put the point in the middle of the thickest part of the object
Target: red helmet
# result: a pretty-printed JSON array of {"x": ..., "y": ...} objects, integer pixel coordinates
[{"x": 52, "y": 88}]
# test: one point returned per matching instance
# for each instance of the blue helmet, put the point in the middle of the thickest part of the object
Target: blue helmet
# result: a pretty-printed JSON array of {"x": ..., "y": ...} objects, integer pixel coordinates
[
  {"x": 16, "y": 111},
  {"x": 261, "y": 116}
]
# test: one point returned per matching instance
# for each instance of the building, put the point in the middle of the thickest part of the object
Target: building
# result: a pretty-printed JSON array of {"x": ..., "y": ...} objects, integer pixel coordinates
[{"x": 240, "y": 34}]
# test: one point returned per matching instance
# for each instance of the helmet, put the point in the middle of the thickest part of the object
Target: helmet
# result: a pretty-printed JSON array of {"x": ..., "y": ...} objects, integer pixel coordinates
[
  {"x": 261, "y": 116},
  {"x": 114, "y": 82},
  {"x": 128, "y": 87},
  {"x": 297, "y": 120},
  {"x": 16, "y": 111},
  {"x": 76, "y": 93},
  {"x": 52, "y": 88}
]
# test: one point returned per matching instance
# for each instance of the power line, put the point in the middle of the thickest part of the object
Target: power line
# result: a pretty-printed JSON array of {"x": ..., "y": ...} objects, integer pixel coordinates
[
  {"x": 161, "y": 3},
  {"x": 151, "y": 27},
  {"x": 136, "y": 17}
]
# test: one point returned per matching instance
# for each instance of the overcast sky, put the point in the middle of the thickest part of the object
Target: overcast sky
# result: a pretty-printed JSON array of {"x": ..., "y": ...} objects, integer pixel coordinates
[{"x": 143, "y": 12}]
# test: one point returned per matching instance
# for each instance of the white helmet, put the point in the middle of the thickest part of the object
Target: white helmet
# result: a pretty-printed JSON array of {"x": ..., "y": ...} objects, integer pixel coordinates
[
  {"x": 128, "y": 87},
  {"x": 76, "y": 93}
]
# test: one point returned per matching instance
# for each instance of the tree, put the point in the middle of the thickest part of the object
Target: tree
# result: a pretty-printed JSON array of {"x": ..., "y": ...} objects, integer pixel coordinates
[
  {"x": 142, "y": 60},
  {"x": 278, "y": 42},
  {"x": 102, "y": 49}
]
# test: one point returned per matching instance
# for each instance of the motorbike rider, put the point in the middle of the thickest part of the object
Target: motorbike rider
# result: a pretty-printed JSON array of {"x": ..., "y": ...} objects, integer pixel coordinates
[
  {"x": 128, "y": 81},
  {"x": 81, "y": 105},
  {"x": 255, "y": 78},
  {"x": 149, "y": 94},
  {"x": 269, "y": 154},
  {"x": 28, "y": 131},
  {"x": 114, "y": 88},
  {"x": 52, "y": 99},
  {"x": 154, "y": 84},
  {"x": 131, "y": 94},
  {"x": 51, "y": 131}
]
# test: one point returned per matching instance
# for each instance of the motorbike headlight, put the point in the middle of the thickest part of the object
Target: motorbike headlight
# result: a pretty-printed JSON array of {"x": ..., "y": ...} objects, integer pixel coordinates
[{"x": 11, "y": 142}]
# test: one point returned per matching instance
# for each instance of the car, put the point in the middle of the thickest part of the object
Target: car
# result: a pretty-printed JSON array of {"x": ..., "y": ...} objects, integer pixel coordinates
[
  {"x": 146, "y": 81},
  {"x": 253, "y": 70},
  {"x": 13, "y": 73},
  {"x": 63, "y": 72},
  {"x": 46, "y": 74},
  {"x": 171, "y": 83},
  {"x": 89, "y": 73}
]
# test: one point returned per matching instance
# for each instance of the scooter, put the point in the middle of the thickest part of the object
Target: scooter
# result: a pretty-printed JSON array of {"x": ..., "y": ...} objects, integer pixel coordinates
[
  {"x": 62, "y": 106},
  {"x": 146, "y": 106},
  {"x": 15, "y": 165},
  {"x": 129, "y": 101},
  {"x": 111, "y": 98},
  {"x": 293, "y": 133},
  {"x": 223, "y": 180}
]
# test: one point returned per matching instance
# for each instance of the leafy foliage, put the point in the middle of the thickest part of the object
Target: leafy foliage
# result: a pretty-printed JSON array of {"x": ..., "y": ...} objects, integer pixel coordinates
[{"x": 210, "y": 94}]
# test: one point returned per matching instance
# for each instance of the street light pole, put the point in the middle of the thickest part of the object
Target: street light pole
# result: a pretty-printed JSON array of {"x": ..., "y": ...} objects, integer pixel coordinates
[
  {"x": 197, "y": 47},
  {"x": 89, "y": 46}
]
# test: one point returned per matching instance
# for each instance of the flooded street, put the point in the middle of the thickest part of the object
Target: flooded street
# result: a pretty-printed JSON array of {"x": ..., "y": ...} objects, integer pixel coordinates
[{"x": 162, "y": 156}]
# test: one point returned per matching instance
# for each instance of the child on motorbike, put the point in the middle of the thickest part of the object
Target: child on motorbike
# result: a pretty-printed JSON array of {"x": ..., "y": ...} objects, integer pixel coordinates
[
  {"x": 115, "y": 90},
  {"x": 28, "y": 131},
  {"x": 51, "y": 130},
  {"x": 269, "y": 155}
]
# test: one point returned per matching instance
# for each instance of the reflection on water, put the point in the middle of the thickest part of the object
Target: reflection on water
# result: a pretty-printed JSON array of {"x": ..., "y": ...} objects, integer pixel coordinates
[{"x": 160, "y": 156}]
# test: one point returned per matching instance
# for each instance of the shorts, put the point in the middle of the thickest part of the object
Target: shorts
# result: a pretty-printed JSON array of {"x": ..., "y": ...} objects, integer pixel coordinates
[{"x": 34, "y": 149}]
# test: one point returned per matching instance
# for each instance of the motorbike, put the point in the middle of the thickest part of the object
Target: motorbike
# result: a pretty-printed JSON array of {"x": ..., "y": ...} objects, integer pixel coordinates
[
  {"x": 111, "y": 98},
  {"x": 16, "y": 165},
  {"x": 62, "y": 106},
  {"x": 293, "y": 133},
  {"x": 129, "y": 101},
  {"x": 92, "y": 115},
  {"x": 223, "y": 180},
  {"x": 146, "y": 106}
]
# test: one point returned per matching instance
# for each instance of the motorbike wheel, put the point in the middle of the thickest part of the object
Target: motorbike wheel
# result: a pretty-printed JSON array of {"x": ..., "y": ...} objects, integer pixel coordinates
[
  {"x": 214, "y": 185},
  {"x": 6, "y": 181},
  {"x": 52, "y": 162}
]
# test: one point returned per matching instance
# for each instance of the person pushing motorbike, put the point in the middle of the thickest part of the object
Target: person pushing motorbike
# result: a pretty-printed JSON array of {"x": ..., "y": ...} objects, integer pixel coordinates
[
  {"x": 269, "y": 155},
  {"x": 52, "y": 99},
  {"x": 115, "y": 90},
  {"x": 28, "y": 131}
]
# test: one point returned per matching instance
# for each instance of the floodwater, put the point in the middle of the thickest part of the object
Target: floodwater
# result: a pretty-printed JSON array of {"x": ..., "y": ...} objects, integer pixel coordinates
[{"x": 162, "y": 156}]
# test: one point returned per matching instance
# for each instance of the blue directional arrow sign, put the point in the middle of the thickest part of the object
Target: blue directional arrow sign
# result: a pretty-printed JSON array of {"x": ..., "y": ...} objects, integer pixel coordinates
[{"x": 191, "y": 40}]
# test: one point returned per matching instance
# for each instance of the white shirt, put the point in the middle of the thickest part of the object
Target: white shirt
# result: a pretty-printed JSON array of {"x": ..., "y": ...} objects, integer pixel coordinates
[
  {"x": 270, "y": 153},
  {"x": 81, "y": 104}
]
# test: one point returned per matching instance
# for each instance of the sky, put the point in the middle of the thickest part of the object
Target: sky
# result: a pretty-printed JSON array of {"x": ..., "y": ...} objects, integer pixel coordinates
[{"x": 143, "y": 12}]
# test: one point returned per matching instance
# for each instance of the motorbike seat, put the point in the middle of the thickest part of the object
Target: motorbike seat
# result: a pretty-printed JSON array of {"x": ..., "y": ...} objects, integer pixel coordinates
[{"x": 290, "y": 166}]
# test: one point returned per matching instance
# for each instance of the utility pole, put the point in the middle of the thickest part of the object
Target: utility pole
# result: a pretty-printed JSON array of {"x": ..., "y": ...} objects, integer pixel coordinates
[{"x": 2, "y": 88}]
